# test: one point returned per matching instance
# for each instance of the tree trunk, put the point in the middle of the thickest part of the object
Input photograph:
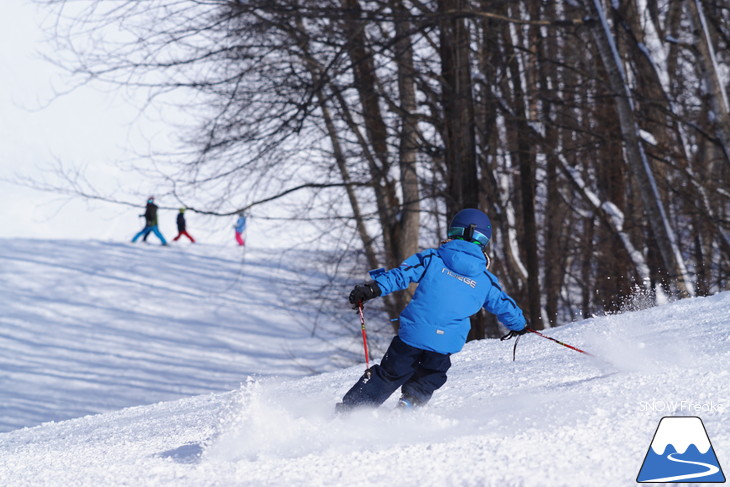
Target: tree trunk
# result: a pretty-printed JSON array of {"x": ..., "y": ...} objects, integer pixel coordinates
[
  {"x": 554, "y": 256},
  {"x": 707, "y": 63},
  {"x": 458, "y": 107},
  {"x": 409, "y": 225},
  {"x": 636, "y": 157},
  {"x": 525, "y": 155},
  {"x": 364, "y": 79}
]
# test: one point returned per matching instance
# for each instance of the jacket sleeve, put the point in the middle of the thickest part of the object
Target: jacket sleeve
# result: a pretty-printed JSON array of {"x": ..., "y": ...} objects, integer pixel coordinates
[
  {"x": 411, "y": 270},
  {"x": 500, "y": 304}
]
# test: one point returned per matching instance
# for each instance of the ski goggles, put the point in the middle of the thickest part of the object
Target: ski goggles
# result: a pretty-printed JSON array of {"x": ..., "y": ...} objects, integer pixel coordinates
[{"x": 476, "y": 237}]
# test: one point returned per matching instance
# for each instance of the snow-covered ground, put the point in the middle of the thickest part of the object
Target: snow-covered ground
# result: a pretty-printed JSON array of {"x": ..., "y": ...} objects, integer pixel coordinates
[{"x": 91, "y": 327}]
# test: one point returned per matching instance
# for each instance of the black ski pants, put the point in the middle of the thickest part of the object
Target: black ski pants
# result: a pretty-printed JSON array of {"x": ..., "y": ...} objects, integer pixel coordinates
[{"x": 418, "y": 372}]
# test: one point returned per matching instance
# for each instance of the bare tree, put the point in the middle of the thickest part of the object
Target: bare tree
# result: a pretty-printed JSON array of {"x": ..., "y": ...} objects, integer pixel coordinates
[{"x": 595, "y": 135}]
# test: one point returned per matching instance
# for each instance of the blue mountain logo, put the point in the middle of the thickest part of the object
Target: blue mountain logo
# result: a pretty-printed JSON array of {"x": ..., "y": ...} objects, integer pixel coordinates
[{"x": 681, "y": 452}]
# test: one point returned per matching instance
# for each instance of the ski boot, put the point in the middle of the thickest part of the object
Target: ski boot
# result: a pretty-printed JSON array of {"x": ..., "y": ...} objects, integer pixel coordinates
[{"x": 405, "y": 402}]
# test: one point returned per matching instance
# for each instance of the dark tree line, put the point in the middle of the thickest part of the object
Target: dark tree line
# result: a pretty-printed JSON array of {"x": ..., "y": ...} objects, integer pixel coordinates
[{"x": 595, "y": 134}]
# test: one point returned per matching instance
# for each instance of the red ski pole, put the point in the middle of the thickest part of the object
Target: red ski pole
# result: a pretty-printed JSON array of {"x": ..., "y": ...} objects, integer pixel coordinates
[
  {"x": 364, "y": 338},
  {"x": 559, "y": 342}
]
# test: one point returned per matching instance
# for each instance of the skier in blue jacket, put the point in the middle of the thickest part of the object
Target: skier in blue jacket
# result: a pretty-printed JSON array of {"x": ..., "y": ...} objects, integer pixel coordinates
[
  {"x": 240, "y": 227},
  {"x": 453, "y": 284}
]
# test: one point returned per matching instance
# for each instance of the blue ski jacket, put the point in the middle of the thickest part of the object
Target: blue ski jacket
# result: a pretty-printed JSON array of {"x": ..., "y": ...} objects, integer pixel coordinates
[
  {"x": 240, "y": 225},
  {"x": 453, "y": 284}
]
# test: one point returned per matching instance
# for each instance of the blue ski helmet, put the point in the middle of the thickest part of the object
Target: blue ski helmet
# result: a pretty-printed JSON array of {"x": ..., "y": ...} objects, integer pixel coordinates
[{"x": 471, "y": 225}]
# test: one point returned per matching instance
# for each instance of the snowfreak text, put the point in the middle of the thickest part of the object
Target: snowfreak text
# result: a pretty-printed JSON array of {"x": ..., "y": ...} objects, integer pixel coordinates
[{"x": 682, "y": 406}]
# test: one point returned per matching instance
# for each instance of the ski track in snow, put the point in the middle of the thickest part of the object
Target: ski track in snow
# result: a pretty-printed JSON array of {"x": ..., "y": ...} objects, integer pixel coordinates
[{"x": 216, "y": 399}]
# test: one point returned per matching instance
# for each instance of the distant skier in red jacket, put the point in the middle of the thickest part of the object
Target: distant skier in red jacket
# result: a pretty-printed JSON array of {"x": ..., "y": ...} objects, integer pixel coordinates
[{"x": 181, "y": 226}]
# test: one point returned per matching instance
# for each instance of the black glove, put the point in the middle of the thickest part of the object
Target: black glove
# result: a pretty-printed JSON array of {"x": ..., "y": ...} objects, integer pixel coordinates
[
  {"x": 363, "y": 292},
  {"x": 514, "y": 333}
]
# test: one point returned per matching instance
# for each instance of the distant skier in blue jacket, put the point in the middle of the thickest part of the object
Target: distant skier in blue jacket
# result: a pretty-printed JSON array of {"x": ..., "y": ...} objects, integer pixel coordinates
[
  {"x": 240, "y": 227},
  {"x": 150, "y": 217},
  {"x": 453, "y": 284}
]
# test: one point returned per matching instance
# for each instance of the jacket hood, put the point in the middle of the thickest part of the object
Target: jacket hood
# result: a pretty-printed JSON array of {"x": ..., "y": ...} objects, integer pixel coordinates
[{"x": 463, "y": 257}]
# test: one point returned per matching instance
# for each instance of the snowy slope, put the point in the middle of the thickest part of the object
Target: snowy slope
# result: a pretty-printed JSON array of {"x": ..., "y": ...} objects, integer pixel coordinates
[
  {"x": 90, "y": 326},
  {"x": 553, "y": 417}
]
